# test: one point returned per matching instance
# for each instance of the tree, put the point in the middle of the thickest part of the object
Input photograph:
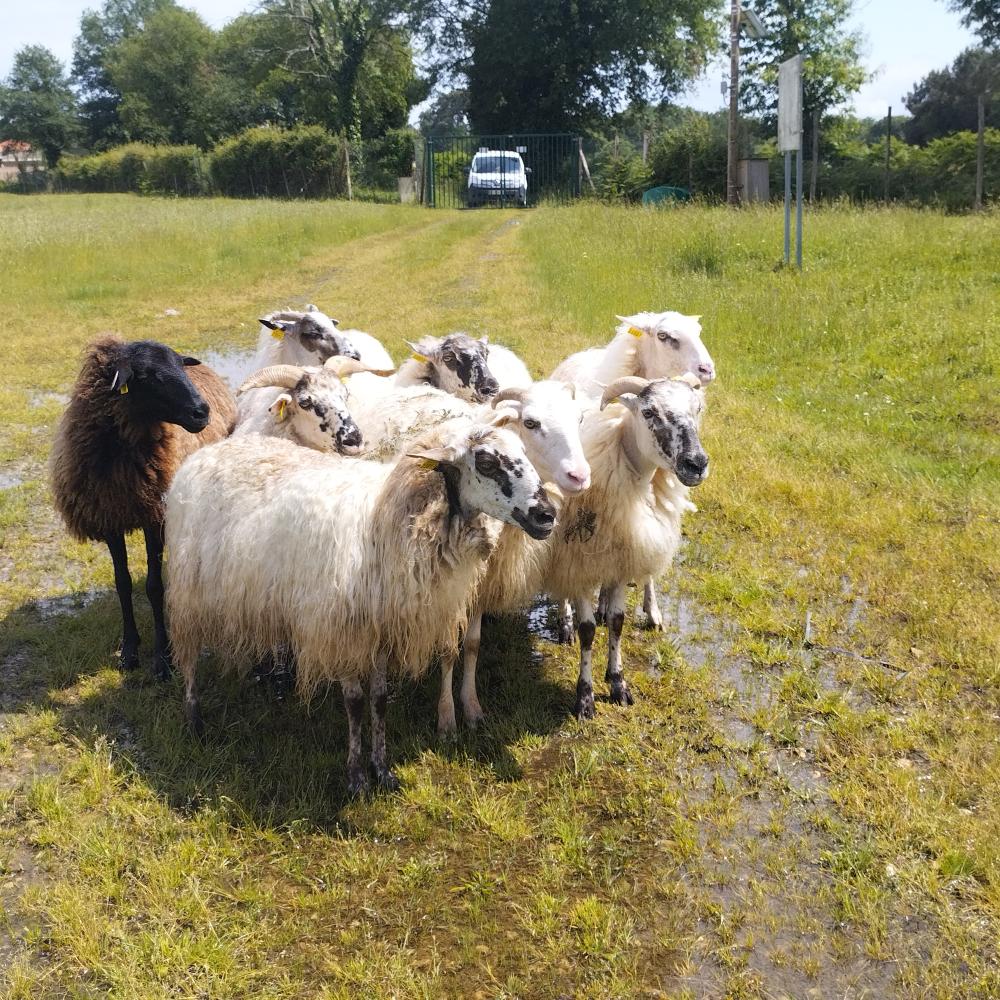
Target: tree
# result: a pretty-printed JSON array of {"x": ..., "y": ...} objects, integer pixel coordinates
[
  {"x": 447, "y": 114},
  {"x": 551, "y": 64},
  {"x": 37, "y": 104},
  {"x": 982, "y": 16},
  {"x": 172, "y": 90},
  {"x": 100, "y": 32},
  {"x": 945, "y": 100},
  {"x": 351, "y": 60},
  {"x": 831, "y": 66}
]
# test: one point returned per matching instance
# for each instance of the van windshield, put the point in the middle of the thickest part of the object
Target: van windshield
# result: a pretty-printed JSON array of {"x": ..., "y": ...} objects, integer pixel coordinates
[{"x": 496, "y": 163}]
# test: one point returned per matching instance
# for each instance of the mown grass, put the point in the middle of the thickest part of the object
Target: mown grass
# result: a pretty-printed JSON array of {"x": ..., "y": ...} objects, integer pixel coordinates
[{"x": 768, "y": 820}]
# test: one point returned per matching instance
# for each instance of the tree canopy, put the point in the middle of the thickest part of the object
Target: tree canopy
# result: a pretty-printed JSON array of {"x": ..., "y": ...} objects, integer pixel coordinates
[
  {"x": 946, "y": 100},
  {"x": 817, "y": 29},
  {"x": 982, "y": 16},
  {"x": 37, "y": 104},
  {"x": 547, "y": 64}
]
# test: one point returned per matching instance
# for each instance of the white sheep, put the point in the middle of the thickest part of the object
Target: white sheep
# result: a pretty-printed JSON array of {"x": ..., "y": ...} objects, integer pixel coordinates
[
  {"x": 306, "y": 405},
  {"x": 624, "y": 527},
  {"x": 456, "y": 363},
  {"x": 293, "y": 337},
  {"x": 652, "y": 345},
  {"x": 354, "y": 565},
  {"x": 546, "y": 416},
  {"x": 507, "y": 368}
]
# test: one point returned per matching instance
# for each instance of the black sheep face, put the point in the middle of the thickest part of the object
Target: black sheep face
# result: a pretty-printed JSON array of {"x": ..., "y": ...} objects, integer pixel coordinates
[{"x": 153, "y": 384}]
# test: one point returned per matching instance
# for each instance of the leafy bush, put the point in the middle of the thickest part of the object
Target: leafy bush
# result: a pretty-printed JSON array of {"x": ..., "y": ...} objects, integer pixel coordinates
[
  {"x": 692, "y": 155},
  {"x": 302, "y": 162},
  {"x": 135, "y": 167},
  {"x": 623, "y": 178},
  {"x": 381, "y": 161}
]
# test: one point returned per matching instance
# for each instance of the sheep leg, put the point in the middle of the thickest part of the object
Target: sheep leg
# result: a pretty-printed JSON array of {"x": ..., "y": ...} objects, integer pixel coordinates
[
  {"x": 129, "y": 649},
  {"x": 565, "y": 623},
  {"x": 585, "y": 683},
  {"x": 654, "y": 617},
  {"x": 601, "y": 615},
  {"x": 378, "y": 697},
  {"x": 192, "y": 709},
  {"x": 447, "y": 726},
  {"x": 471, "y": 708},
  {"x": 154, "y": 591},
  {"x": 620, "y": 693},
  {"x": 354, "y": 703}
]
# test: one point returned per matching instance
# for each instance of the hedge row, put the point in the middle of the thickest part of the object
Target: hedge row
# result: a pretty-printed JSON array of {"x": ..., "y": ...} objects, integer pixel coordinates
[
  {"x": 302, "y": 162},
  {"x": 942, "y": 173}
]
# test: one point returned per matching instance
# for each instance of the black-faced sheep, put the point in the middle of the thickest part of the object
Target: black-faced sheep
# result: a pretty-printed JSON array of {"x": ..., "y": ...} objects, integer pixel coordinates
[
  {"x": 136, "y": 412},
  {"x": 354, "y": 565}
]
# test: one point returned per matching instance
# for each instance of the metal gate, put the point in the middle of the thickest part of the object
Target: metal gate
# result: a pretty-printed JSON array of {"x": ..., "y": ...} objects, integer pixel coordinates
[{"x": 469, "y": 171}]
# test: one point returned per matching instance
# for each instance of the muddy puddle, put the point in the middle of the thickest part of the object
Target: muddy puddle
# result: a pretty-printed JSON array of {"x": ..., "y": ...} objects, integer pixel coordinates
[
  {"x": 233, "y": 366},
  {"x": 64, "y": 604},
  {"x": 10, "y": 480}
]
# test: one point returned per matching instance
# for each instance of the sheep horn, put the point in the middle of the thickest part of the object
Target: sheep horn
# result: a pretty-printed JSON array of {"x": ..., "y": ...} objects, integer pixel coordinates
[
  {"x": 285, "y": 376},
  {"x": 688, "y": 379},
  {"x": 517, "y": 395},
  {"x": 630, "y": 383},
  {"x": 342, "y": 366}
]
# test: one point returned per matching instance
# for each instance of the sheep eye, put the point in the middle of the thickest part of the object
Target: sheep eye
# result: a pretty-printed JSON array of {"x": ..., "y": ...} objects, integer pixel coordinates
[
  {"x": 648, "y": 413},
  {"x": 448, "y": 357},
  {"x": 532, "y": 425},
  {"x": 664, "y": 336},
  {"x": 486, "y": 463}
]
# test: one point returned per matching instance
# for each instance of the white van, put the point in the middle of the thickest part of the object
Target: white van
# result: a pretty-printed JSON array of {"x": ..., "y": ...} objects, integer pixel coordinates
[{"x": 497, "y": 176}]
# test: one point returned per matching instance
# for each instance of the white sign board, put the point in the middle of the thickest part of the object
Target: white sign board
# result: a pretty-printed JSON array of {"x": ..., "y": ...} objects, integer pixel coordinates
[{"x": 790, "y": 104}]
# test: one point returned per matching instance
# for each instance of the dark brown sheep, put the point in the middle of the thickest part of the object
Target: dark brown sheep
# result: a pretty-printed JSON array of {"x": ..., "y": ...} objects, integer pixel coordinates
[{"x": 137, "y": 411}]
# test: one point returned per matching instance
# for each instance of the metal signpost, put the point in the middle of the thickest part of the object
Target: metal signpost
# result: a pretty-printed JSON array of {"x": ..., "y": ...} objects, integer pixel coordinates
[{"x": 789, "y": 141}]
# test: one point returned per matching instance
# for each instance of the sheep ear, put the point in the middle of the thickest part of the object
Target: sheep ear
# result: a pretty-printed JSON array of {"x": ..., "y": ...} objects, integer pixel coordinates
[
  {"x": 120, "y": 380},
  {"x": 279, "y": 408},
  {"x": 189, "y": 362},
  {"x": 627, "y": 399},
  {"x": 311, "y": 307},
  {"x": 505, "y": 415},
  {"x": 431, "y": 458},
  {"x": 269, "y": 323},
  {"x": 484, "y": 339},
  {"x": 418, "y": 352}
]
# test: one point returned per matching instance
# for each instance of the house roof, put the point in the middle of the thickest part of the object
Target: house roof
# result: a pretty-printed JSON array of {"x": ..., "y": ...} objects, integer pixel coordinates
[{"x": 14, "y": 146}]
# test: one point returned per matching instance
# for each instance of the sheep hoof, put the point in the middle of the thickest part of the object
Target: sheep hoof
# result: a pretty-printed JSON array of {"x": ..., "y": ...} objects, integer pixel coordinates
[
  {"x": 654, "y": 623},
  {"x": 128, "y": 654},
  {"x": 357, "y": 782},
  {"x": 620, "y": 694},
  {"x": 196, "y": 722},
  {"x": 600, "y": 618},
  {"x": 566, "y": 633},
  {"x": 448, "y": 731},
  {"x": 584, "y": 701},
  {"x": 162, "y": 667},
  {"x": 473, "y": 715},
  {"x": 385, "y": 779}
]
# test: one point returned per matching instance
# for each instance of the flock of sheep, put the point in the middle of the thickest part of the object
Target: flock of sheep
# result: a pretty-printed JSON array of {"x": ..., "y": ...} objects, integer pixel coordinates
[{"x": 348, "y": 519}]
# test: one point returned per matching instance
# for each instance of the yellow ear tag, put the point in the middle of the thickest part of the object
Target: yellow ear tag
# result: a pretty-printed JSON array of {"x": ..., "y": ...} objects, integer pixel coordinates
[
  {"x": 418, "y": 357},
  {"x": 635, "y": 331},
  {"x": 428, "y": 463},
  {"x": 281, "y": 409},
  {"x": 123, "y": 389},
  {"x": 278, "y": 334}
]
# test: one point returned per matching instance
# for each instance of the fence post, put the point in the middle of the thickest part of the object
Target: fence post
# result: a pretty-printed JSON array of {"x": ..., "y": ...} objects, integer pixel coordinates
[
  {"x": 347, "y": 168},
  {"x": 888, "y": 150},
  {"x": 980, "y": 151}
]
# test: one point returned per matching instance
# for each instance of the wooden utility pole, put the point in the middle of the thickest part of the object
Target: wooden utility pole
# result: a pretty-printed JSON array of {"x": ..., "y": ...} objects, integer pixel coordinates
[
  {"x": 645, "y": 145},
  {"x": 888, "y": 150},
  {"x": 732, "y": 182},
  {"x": 980, "y": 152}
]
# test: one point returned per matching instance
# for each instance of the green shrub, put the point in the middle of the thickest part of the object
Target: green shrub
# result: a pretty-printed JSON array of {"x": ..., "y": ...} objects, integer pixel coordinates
[
  {"x": 302, "y": 162},
  {"x": 381, "y": 161},
  {"x": 692, "y": 155},
  {"x": 135, "y": 167}
]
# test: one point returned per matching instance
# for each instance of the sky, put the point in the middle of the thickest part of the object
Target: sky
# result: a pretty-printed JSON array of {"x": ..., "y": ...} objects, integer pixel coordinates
[{"x": 899, "y": 50}]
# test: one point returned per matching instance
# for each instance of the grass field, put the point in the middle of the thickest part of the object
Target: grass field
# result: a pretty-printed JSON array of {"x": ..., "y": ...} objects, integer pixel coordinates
[{"x": 771, "y": 819}]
